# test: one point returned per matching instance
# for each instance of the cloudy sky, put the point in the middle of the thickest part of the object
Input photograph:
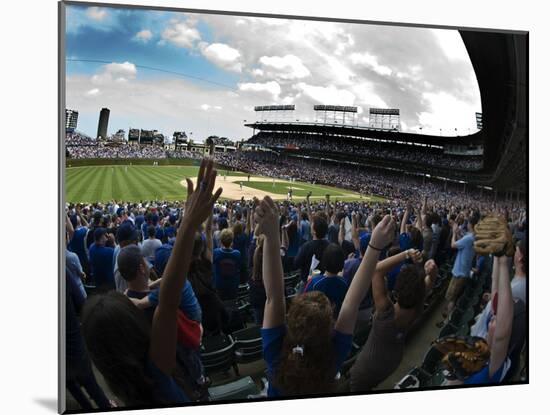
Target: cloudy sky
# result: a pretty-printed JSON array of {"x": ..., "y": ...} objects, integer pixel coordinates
[{"x": 205, "y": 73}]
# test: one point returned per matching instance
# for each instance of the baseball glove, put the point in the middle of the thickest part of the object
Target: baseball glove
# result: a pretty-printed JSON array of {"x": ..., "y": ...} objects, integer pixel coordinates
[
  {"x": 462, "y": 355},
  {"x": 492, "y": 236}
]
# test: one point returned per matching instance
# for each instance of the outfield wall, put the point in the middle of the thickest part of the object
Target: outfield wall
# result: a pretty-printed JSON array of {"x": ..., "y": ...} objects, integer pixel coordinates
[{"x": 135, "y": 162}]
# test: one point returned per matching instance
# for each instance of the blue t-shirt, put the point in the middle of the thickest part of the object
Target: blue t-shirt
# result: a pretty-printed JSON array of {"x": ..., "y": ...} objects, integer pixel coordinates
[
  {"x": 101, "y": 264},
  {"x": 162, "y": 255},
  {"x": 335, "y": 288},
  {"x": 227, "y": 269},
  {"x": 165, "y": 389},
  {"x": 464, "y": 256},
  {"x": 350, "y": 269},
  {"x": 188, "y": 302},
  {"x": 241, "y": 243},
  {"x": 482, "y": 377},
  {"x": 272, "y": 343},
  {"x": 305, "y": 230},
  {"x": 76, "y": 245}
]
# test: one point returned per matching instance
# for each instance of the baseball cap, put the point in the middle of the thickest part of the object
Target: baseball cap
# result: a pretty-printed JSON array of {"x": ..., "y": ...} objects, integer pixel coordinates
[
  {"x": 98, "y": 233},
  {"x": 126, "y": 232}
]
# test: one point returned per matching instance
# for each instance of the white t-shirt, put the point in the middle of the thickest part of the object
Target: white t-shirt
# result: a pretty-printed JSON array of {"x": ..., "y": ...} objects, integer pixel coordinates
[
  {"x": 518, "y": 285},
  {"x": 149, "y": 246}
]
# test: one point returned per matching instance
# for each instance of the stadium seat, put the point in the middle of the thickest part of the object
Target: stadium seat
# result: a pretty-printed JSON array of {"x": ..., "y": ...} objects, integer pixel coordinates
[
  {"x": 243, "y": 292},
  {"x": 248, "y": 344},
  {"x": 90, "y": 289},
  {"x": 243, "y": 388},
  {"x": 411, "y": 380},
  {"x": 217, "y": 354},
  {"x": 292, "y": 279},
  {"x": 447, "y": 330}
]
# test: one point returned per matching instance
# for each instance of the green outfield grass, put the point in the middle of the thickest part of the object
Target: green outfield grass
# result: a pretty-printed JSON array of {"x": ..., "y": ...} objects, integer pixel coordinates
[{"x": 135, "y": 183}]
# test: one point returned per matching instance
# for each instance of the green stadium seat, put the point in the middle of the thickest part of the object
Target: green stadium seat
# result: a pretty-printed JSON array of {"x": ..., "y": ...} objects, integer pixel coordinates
[
  {"x": 239, "y": 389},
  {"x": 217, "y": 354},
  {"x": 248, "y": 344}
]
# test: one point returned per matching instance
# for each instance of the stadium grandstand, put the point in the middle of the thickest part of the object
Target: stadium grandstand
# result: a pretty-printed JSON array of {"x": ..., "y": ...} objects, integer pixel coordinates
[{"x": 388, "y": 259}]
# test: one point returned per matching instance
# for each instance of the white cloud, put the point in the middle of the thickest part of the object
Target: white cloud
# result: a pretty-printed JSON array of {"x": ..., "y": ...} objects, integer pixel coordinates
[
  {"x": 96, "y": 13},
  {"x": 327, "y": 95},
  {"x": 143, "y": 36},
  {"x": 370, "y": 62},
  {"x": 448, "y": 113},
  {"x": 223, "y": 56},
  {"x": 118, "y": 72},
  {"x": 181, "y": 34},
  {"x": 451, "y": 43},
  {"x": 287, "y": 67},
  {"x": 366, "y": 95},
  {"x": 271, "y": 87},
  {"x": 92, "y": 92},
  {"x": 257, "y": 72},
  {"x": 206, "y": 107}
]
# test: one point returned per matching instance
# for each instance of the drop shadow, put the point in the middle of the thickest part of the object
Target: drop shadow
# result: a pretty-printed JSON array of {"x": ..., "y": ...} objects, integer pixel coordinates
[{"x": 48, "y": 403}]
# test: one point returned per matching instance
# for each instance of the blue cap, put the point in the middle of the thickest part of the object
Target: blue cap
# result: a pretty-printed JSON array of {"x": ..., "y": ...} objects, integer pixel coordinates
[
  {"x": 126, "y": 232},
  {"x": 98, "y": 233}
]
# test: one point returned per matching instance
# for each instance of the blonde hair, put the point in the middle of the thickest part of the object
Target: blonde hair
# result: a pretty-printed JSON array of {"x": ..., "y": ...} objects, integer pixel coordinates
[{"x": 226, "y": 237}]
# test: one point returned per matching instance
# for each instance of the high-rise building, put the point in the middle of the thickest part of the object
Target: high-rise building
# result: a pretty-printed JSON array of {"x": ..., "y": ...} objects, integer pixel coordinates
[
  {"x": 71, "y": 120},
  {"x": 384, "y": 119},
  {"x": 103, "y": 123}
]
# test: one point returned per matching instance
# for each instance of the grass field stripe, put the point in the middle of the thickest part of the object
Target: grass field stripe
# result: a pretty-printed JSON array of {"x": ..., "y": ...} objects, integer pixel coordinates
[
  {"x": 107, "y": 189},
  {"x": 131, "y": 187},
  {"x": 72, "y": 177},
  {"x": 169, "y": 182},
  {"x": 80, "y": 192},
  {"x": 97, "y": 184}
]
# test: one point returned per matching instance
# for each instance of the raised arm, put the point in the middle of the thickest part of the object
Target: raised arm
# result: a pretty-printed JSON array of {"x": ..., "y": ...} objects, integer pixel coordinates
[
  {"x": 342, "y": 231},
  {"x": 355, "y": 233},
  {"x": 454, "y": 237},
  {"x": 69, "y": 227},
  {"x": 381, "y": 237},
  {"x": 199, "y": 204},
  {"x": 267, "y": 217},
  {"x": 308, "y": 207},
  {"x": 504, "y": 318},
  {"x": 208, "y": 253},
  {"x": 327, "y": 206},
  {"x": 404, "y": 220}
]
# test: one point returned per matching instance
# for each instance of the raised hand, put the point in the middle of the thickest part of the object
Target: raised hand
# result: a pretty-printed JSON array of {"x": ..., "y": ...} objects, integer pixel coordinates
[
  {"x": 430, "y": 268},
  {"x": 267, "y": 217},
  {"x": 384, "y": 232},
  {"x": 200, "y": 201},
  {"x": 414, "y": 255}
]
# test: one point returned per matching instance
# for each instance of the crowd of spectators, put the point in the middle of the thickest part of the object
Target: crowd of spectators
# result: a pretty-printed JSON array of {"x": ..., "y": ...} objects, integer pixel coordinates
[
  {"x": 163, "y": 273},
  {"x": 395, "y": 186},
  {"x": 370, "y": 149}
]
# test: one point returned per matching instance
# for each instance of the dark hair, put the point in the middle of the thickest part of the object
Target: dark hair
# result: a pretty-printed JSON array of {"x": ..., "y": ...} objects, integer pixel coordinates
[
  {"x": 416, "y": 238},
  {"x": 320, "y": 226},
  {"x": 394, "y": 251},
  {"x": 473, "y": 220},
  {"x": 151, "y": 231},
  {"x": 375, "y": 220},
  {"x": 429, "y": 220},
  {"x": 333, "y": 258},
  {"x": 129, "y": 260},
  {"x": 310, "y": 326},
  {"x": 304, "y": 216},
  {"x": 410, "y": 287},
  {"x": 198, "y": 246},
  {"x": 117, "y": 336}
]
